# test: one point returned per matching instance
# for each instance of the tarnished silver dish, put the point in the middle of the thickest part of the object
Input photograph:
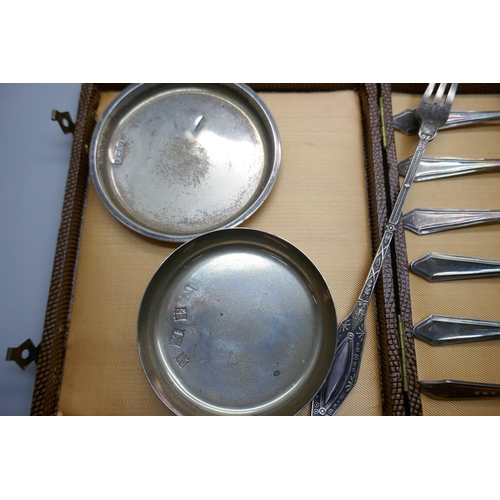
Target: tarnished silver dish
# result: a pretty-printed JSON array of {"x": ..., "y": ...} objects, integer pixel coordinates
[
  {"x": 173, "y": 161},
  {"x": 237, "y": 322}
]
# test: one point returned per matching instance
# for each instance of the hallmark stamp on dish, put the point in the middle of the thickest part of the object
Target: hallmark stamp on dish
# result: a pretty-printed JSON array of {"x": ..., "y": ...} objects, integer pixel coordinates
[
  {"x": 180, "y": 313},
  {"x": 177, "y": 337},
  {"x": 120, "y": 146},
  {"x": 182, "y": 360},
  {"x": 187, "y": 292}
]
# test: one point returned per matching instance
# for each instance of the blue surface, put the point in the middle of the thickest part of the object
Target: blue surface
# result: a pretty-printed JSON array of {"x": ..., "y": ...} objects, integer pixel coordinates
[{"x": 34, "y": 160}]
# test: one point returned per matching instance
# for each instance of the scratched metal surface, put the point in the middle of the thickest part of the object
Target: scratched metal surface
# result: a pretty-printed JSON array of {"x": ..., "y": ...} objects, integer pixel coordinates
[
  {"x": 174, "y": 161},
  {"x": 252, "y": 318}
]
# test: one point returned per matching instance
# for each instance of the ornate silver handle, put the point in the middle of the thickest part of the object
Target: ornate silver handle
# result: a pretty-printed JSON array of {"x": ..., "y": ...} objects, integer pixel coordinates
[
  {"x": 351, "y": 332},
  {"x": 432, "y": 167},
  {"x": 425, "y": 221},
  {"x": 432, "y": 113},
  {"x": 443, "y": 267},
  {"x": 407, "y": 122},
  {"x": 350, "y": 341}
]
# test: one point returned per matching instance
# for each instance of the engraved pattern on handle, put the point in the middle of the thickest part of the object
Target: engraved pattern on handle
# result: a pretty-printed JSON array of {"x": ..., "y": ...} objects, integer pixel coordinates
[
  {"x": 351, "y": 337},
  {"x": 351, "y": 333},
  {"x": 432, "y": 113},
  {"x": 410, "y": 175}
]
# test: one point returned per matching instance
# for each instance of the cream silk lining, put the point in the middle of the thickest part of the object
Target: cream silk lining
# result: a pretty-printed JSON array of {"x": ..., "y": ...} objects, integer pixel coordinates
[{"x": 319, "y": 204}]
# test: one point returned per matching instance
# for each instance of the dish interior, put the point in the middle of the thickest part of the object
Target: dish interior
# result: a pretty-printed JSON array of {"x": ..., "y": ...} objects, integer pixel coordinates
[
  {"x": 181, "y": 160},
  {"x": 236, "y": 328}
]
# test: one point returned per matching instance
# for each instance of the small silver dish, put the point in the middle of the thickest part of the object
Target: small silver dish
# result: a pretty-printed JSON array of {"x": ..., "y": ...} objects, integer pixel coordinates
[
  {"x": 174, "y": 161},
  {"x": 237, "y": 322}
]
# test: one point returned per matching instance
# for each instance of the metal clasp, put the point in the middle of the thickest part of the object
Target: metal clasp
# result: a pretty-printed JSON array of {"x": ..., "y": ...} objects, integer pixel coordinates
[
  {"x": 64, "y": 120},
  {"x": 23, "y": 355}
]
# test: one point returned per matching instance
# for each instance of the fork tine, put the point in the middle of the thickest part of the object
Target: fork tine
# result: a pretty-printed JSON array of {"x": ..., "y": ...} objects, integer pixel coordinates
[
  {"x": 451, "y": 94},
  {"x": 428, "y": 91},
  {"x": 440, "y": 92}
]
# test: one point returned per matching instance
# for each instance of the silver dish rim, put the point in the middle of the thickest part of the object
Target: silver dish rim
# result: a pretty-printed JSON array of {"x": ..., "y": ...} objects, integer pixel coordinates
[
  {"x": 323, "y": 363},
  {"x": 145, "y": 231}
]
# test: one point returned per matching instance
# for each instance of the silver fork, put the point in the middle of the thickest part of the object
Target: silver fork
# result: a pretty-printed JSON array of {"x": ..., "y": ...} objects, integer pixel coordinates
[{"x": 432, "y": 113}]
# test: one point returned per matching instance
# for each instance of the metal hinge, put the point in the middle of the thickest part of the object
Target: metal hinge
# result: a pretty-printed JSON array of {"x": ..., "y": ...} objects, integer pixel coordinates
[
  {"x": 23, "y": 355},
  {"x": 64, "y": 120},
  {"x": 382, "y": 121},
  {"x": 402, "y": 353}
]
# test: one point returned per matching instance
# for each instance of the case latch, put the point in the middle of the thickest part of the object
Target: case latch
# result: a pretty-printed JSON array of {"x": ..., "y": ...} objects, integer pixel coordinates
[
  {"x": 64, "y": 120},
  {"x": 23, "y": 355}
]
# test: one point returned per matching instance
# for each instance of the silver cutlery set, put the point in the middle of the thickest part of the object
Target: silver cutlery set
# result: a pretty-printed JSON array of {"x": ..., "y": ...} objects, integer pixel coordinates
[
  {"x": 204, "y": 287},
  {"x": 432, "y": 113},
  {"x": 436, "y": 267}
]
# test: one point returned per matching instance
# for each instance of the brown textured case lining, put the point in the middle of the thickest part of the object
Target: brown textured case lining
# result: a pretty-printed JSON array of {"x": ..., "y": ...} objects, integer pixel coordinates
[
  {"x": 51, "y": 361},
  {"x": 58, "y": 315},
  {"x": 400, "y": 303}
]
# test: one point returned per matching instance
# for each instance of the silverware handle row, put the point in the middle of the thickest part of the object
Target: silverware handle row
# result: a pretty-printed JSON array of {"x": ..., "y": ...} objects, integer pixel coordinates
[{"x": 442, "y": 330}]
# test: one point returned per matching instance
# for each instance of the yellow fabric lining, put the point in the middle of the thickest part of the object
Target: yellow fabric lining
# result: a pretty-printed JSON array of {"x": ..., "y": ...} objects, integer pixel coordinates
[{"x": 319, "y": 204}]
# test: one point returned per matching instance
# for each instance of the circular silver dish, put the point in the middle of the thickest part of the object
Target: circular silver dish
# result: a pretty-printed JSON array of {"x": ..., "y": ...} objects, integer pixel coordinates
[
  {"x": 173, "y": 161},
  {"x": 237, "y": 322}
]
